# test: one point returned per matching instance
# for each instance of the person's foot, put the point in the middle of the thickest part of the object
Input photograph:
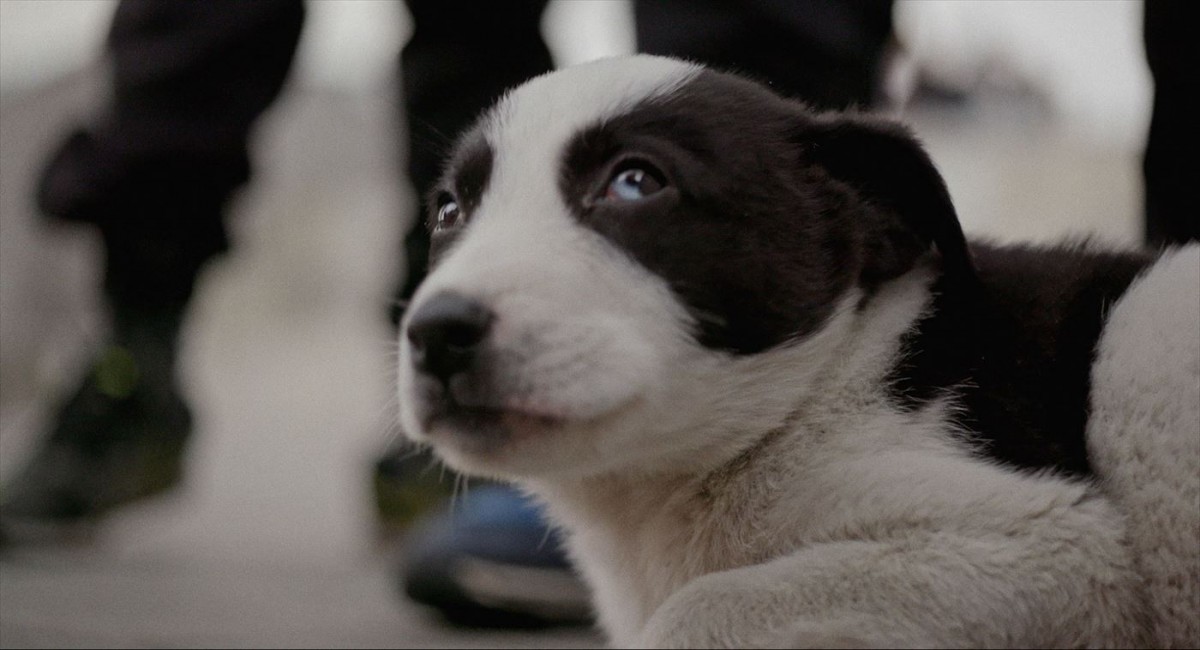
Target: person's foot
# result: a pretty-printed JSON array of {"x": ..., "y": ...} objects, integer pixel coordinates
[
  {"x": 120, "y": 437},
  {"x": 408, "y": 483},
  {"x": 489, "y": 559}
]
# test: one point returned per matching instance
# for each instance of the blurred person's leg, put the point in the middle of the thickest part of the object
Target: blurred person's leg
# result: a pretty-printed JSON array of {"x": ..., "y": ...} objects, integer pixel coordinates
[
  {"x": 462, "y": 56},
  {"x": 1168, "y": 170},
  {"x": 152, "y": 175},
  {"x": 825, "y": 52}
]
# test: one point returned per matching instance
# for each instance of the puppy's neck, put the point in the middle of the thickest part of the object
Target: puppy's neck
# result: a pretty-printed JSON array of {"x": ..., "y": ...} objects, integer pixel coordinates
[{"x": 640, "y": 535}]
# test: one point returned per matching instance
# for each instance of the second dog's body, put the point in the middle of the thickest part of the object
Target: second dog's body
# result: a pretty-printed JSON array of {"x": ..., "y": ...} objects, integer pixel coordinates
[{"x": 745, "y": 355}]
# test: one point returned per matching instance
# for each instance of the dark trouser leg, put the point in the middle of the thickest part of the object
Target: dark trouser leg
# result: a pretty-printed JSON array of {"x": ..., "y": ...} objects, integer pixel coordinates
[
  {"x": 189, "y": 79},
  {"x": 825, "y": 52},
  {"x": 462, "y": 56},
  {"x": 1168, "y": 170},
  {"x": 153, "y": 175}
]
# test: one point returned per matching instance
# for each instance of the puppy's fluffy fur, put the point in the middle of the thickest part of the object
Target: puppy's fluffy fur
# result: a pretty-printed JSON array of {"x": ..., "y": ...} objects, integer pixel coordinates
[{"x": 747, "y": 358}]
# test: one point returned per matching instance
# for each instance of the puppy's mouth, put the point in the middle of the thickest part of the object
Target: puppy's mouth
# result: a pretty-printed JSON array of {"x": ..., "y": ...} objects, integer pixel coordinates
[
  {"x": 484, "y": 423},
  {"x": 481, "y": 418},
  {"x": 499, "y": 404}
]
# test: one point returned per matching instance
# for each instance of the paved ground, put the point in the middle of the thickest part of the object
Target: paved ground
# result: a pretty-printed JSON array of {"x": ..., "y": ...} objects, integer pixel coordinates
[{"x": 286, "y": 361}]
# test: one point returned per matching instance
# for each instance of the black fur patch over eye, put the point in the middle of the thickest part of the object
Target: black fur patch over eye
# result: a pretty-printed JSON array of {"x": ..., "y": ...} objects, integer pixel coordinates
[
  {"x": 473, "y": 171},
  {"x": 455, "y": 200},
  {"x": 754, "y": 243}
]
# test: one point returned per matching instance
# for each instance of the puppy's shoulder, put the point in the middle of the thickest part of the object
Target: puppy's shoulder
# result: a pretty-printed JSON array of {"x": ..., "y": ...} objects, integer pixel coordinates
[{"x": 1014, "y": 351}]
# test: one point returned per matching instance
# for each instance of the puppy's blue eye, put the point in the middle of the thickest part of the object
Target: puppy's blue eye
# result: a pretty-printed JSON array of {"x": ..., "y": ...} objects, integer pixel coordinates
[
  {"x": 448, "y": 214},
  {"x": 632, "y": 184}
]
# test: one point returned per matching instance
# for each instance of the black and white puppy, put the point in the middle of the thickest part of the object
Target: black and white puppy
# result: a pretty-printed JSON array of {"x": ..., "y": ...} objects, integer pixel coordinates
[{"x": 746, "y": 356}]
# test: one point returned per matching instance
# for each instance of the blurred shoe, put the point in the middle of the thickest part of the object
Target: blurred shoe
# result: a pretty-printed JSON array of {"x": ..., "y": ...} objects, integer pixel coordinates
[
  {"x": 408, "y": 483},
  {"x": 120, "y": 437},
  {"x": 490, "y": 560}
]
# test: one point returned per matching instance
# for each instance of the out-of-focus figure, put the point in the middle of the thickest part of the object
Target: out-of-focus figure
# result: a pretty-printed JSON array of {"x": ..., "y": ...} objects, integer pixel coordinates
[{"x": 1169, "y": 171}]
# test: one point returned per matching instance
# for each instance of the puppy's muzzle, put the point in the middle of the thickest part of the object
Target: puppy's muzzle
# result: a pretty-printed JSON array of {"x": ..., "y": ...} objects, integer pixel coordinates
[{"x": 446, "y": 334}]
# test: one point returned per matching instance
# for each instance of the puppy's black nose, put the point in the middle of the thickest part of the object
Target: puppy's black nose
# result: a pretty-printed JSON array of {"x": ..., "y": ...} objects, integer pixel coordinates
[{"x": 445, "y": 334}]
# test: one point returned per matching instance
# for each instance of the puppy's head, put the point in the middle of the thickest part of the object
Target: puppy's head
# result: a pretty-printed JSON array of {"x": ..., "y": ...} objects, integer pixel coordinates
[{"x": 639, "y": 264}]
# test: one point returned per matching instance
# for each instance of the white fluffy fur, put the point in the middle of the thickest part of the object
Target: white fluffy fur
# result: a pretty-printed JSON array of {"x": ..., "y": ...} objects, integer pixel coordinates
[
  {"x": 780, "y": 499},
  {"x": 1144, "y": 436}
]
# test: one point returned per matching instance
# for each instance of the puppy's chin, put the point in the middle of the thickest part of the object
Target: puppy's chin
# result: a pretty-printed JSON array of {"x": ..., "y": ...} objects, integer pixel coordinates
[
  {"x": 513, "y": 444},
  {"x": 484, "y": 432}
]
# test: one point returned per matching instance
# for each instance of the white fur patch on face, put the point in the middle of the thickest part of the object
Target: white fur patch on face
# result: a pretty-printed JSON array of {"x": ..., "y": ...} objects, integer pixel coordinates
[{"x": 591, "y": 363}]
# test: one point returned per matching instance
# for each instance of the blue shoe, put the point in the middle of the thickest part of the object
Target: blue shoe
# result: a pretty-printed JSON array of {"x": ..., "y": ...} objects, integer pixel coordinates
[{"x": 490, "y": 560}]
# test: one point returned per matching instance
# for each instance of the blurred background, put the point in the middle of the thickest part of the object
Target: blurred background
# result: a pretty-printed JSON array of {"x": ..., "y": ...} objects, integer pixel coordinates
[{"x": 1035, "y": 112}]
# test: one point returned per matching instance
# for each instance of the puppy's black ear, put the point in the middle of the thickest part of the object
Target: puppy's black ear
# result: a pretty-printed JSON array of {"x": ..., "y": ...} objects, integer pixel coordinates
[{"x": 911, "y": 208}]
